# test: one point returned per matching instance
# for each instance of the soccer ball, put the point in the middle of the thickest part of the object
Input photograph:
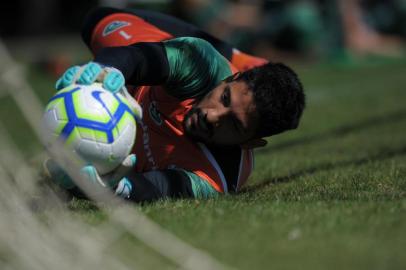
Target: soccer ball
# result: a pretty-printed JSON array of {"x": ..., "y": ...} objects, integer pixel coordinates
[{"x": 92, "y": 122}]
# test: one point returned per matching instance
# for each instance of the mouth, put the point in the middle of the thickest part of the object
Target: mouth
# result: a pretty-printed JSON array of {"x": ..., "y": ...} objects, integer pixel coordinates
[{"x": 202, "y": 122}]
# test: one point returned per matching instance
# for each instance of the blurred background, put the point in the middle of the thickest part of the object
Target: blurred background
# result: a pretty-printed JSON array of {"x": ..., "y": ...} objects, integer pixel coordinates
[{"x": 46, "y": 32}]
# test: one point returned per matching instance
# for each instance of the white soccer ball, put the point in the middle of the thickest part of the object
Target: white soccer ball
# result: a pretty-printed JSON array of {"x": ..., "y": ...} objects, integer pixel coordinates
[{"x": 92, "y": 122}]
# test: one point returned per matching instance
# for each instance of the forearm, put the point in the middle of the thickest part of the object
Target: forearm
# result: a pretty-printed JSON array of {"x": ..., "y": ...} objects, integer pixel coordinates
[{"x": 143, "y": 63}]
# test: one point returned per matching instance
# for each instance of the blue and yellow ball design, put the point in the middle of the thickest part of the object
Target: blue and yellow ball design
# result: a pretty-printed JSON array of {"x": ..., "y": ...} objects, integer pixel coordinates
[{"x": 94, "y": 123}]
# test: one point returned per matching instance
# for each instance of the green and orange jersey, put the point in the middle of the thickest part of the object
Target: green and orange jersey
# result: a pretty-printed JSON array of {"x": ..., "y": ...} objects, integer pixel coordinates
[{"x": 195, "y": 68}]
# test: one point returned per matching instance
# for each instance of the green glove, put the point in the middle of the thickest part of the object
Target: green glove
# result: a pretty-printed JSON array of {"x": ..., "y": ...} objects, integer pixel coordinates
[
  {"x": 111, "y": 78},
  {"x": 90, "y": 174}
]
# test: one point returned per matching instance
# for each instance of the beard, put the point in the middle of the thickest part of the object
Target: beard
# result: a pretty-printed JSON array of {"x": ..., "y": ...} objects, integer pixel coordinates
[
  {"x": 195, "y": 125},
  {"x": 188, "y": 129}
]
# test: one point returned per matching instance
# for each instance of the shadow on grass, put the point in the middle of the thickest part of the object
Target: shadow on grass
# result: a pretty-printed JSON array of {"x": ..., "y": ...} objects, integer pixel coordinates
[
  {"x": 325, "y": 167},
  {"x": 340, "y": 131}
]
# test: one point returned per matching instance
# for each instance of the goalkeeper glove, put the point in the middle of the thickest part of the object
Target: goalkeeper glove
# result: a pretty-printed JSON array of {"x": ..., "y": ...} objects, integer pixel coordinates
[
  {"x": 89, "y": 173},
  {"x": 112, "y": 79}
]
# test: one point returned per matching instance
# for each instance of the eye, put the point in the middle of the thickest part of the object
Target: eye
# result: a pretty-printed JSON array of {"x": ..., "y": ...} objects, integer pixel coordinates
[{"x": 225, "y": 97}]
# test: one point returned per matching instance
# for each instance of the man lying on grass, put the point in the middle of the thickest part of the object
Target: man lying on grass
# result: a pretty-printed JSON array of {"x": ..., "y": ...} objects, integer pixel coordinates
[{"x": 206, "y": 105}]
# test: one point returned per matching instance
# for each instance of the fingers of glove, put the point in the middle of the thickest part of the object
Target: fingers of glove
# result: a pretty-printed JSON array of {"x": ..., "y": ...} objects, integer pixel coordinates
[
  {"x": 124, "y": 188},
  {"x": 56, "y": 174},
  {"x": 113, "y": 80},
  {"x": 125, "y": 167},
  {"x": 129, "y": 161},
  {"x": 67, "y": 78},
  {"x": 90, "y": 173},
  {"x": 90, "y": 73},
  {"x": 134, "y": 106}
]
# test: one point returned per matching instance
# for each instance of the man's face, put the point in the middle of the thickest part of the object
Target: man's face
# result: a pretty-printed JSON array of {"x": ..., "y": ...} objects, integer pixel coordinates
[{"x": 225, "y": 116}]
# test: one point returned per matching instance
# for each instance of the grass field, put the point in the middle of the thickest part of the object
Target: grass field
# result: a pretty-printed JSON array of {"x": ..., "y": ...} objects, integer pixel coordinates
[{"x": 331, "y": 195}]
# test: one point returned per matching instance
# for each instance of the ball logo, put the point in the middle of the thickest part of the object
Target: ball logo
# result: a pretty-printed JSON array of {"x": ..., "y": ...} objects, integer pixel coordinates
[
  {"x": 114, "y": 26},
  {"x": 96, "y": 94}
]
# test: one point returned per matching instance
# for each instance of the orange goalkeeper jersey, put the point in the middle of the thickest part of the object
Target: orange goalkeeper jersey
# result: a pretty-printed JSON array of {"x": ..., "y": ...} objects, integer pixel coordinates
[{"x": 162, "y": 144}]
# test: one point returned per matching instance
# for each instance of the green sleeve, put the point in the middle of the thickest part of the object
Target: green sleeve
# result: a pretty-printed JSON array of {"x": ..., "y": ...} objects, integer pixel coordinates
[
  {"x": 195, "y": 67},
  {"x": 200, "y": 187}
]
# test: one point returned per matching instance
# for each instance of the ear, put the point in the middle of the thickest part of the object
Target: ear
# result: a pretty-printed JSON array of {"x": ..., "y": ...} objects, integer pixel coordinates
[{"x": 254, "y": 143}]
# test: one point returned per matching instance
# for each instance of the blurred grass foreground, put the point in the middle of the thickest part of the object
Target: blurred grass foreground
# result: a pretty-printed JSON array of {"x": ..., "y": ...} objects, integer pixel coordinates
[{"x": 331, "y": 195}]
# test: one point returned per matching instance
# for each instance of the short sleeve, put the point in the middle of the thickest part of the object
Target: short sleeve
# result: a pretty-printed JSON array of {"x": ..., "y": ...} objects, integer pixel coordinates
[
  {"x": 201, "y": 188},
  {"x": 195, "y": 67}
]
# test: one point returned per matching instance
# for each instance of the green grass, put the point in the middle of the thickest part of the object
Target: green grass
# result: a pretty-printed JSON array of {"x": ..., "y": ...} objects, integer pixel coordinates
[{"x": 330, "y": 195}]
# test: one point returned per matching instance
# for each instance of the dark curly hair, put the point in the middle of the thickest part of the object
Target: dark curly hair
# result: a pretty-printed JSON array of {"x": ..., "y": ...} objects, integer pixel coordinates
[{"x": 278, "y": 96}]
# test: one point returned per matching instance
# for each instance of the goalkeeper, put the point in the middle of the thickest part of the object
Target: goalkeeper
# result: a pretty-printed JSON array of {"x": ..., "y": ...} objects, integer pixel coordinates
[{"x": 206, "y": 105}]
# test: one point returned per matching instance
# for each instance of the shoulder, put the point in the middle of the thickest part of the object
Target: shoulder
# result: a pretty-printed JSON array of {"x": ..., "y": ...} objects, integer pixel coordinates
[
  {"x": 195, "y": 67},
  {"x": 201, "y": 51},
  {"x": 189, "y": 43},
  {"x": 190, "y": 50}
]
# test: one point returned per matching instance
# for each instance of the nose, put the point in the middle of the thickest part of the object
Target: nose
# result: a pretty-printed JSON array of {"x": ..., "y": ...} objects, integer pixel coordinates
[{"x": 215, "y": 117}]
